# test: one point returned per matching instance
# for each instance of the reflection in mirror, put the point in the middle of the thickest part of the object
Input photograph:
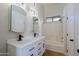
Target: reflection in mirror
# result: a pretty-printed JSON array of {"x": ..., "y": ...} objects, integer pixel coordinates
[
  {"x": 54, "y": 18},
  {"x": 35, "y": 26}
]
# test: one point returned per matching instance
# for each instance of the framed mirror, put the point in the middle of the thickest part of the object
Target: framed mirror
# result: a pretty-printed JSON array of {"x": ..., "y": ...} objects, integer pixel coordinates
[
  {"x": 35, "y": 25},
  {"x": 18, "y": 17}
]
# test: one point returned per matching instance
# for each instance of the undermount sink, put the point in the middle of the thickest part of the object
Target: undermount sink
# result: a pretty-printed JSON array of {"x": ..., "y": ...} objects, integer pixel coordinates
[{"x": 22, "y": 43}]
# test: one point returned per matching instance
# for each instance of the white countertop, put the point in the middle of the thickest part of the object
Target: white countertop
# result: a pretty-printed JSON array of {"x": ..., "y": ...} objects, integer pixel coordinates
[{"x": 24, "y": 42}]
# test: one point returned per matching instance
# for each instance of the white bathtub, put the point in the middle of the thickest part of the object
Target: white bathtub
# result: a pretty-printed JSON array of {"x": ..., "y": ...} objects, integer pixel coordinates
[{"x": 55, "y": 46}]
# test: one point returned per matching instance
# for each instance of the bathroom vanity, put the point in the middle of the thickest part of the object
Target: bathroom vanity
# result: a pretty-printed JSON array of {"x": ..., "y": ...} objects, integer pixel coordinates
[{"x": 27, "y": 47}]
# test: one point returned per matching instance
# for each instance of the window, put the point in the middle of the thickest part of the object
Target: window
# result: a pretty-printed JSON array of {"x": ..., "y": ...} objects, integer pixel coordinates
[
  {"x": 49, "y": 20},
  {"x": 54, "y": 18}
]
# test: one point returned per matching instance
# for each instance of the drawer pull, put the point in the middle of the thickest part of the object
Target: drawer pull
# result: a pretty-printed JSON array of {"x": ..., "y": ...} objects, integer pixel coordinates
[
  {"x": 43, "y": 45},
  {"x": 31, "y": 49},
  {"x": 39, "y": 43},
  {"x": 39, "y": 48},
  {"x": 39, "y": 53},
  {"x": 31, "y": 55}
]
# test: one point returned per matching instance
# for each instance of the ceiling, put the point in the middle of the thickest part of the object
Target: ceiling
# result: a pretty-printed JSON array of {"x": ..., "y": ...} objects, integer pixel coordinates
[{"x": 52, "y": 4}]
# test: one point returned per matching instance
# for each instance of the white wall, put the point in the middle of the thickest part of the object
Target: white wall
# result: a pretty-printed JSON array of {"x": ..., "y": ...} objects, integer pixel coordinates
[
  {"x": 53, "y": 9},
  {"x": 5, "y": 34}
]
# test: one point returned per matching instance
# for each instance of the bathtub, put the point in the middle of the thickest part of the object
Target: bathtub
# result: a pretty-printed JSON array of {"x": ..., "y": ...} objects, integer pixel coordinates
[{"x": 54, "y": 46}]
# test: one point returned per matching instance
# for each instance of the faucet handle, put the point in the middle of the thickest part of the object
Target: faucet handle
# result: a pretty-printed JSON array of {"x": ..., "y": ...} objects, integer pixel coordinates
[{"x": 21, "y": 36}]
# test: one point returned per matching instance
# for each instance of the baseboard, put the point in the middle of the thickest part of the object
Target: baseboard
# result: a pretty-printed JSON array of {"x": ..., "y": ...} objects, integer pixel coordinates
[{"x": 3, "y": 54}]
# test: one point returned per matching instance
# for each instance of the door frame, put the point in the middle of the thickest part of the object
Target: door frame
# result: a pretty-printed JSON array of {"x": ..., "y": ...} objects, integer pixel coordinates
[{"x": 65, "y": 33}]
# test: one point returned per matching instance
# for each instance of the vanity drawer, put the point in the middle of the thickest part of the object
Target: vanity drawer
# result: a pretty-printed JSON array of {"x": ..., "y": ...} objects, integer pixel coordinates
[
  {"x": 39, "y": 53},
  {"x": 39, "y": 48},
  {"x": 31, "y": 49},
  {"x": 28, "y": 50},
  {"x": 39, "y": 43},
  {"x": 33, "y": 53}
]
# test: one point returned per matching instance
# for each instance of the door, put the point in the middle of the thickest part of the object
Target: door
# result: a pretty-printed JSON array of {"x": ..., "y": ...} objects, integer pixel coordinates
[
  {"x": 76, "y": 13},
  {"x": 70, "y": 29}
]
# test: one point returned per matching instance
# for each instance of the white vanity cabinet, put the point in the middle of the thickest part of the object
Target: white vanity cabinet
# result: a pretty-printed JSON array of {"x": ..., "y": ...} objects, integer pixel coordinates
[{"x": 31, "y": 48}]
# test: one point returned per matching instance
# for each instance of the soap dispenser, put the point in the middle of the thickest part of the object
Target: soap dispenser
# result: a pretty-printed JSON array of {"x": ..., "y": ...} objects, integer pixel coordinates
[{"x": 20, "y": 37}]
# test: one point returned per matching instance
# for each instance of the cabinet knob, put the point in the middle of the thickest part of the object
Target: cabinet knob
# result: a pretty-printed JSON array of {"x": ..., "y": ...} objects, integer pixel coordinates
[
  {"x": 71, "y": 40},
  {"x": 31, "y": 49},
  {"x": 39, "y": 48}
]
